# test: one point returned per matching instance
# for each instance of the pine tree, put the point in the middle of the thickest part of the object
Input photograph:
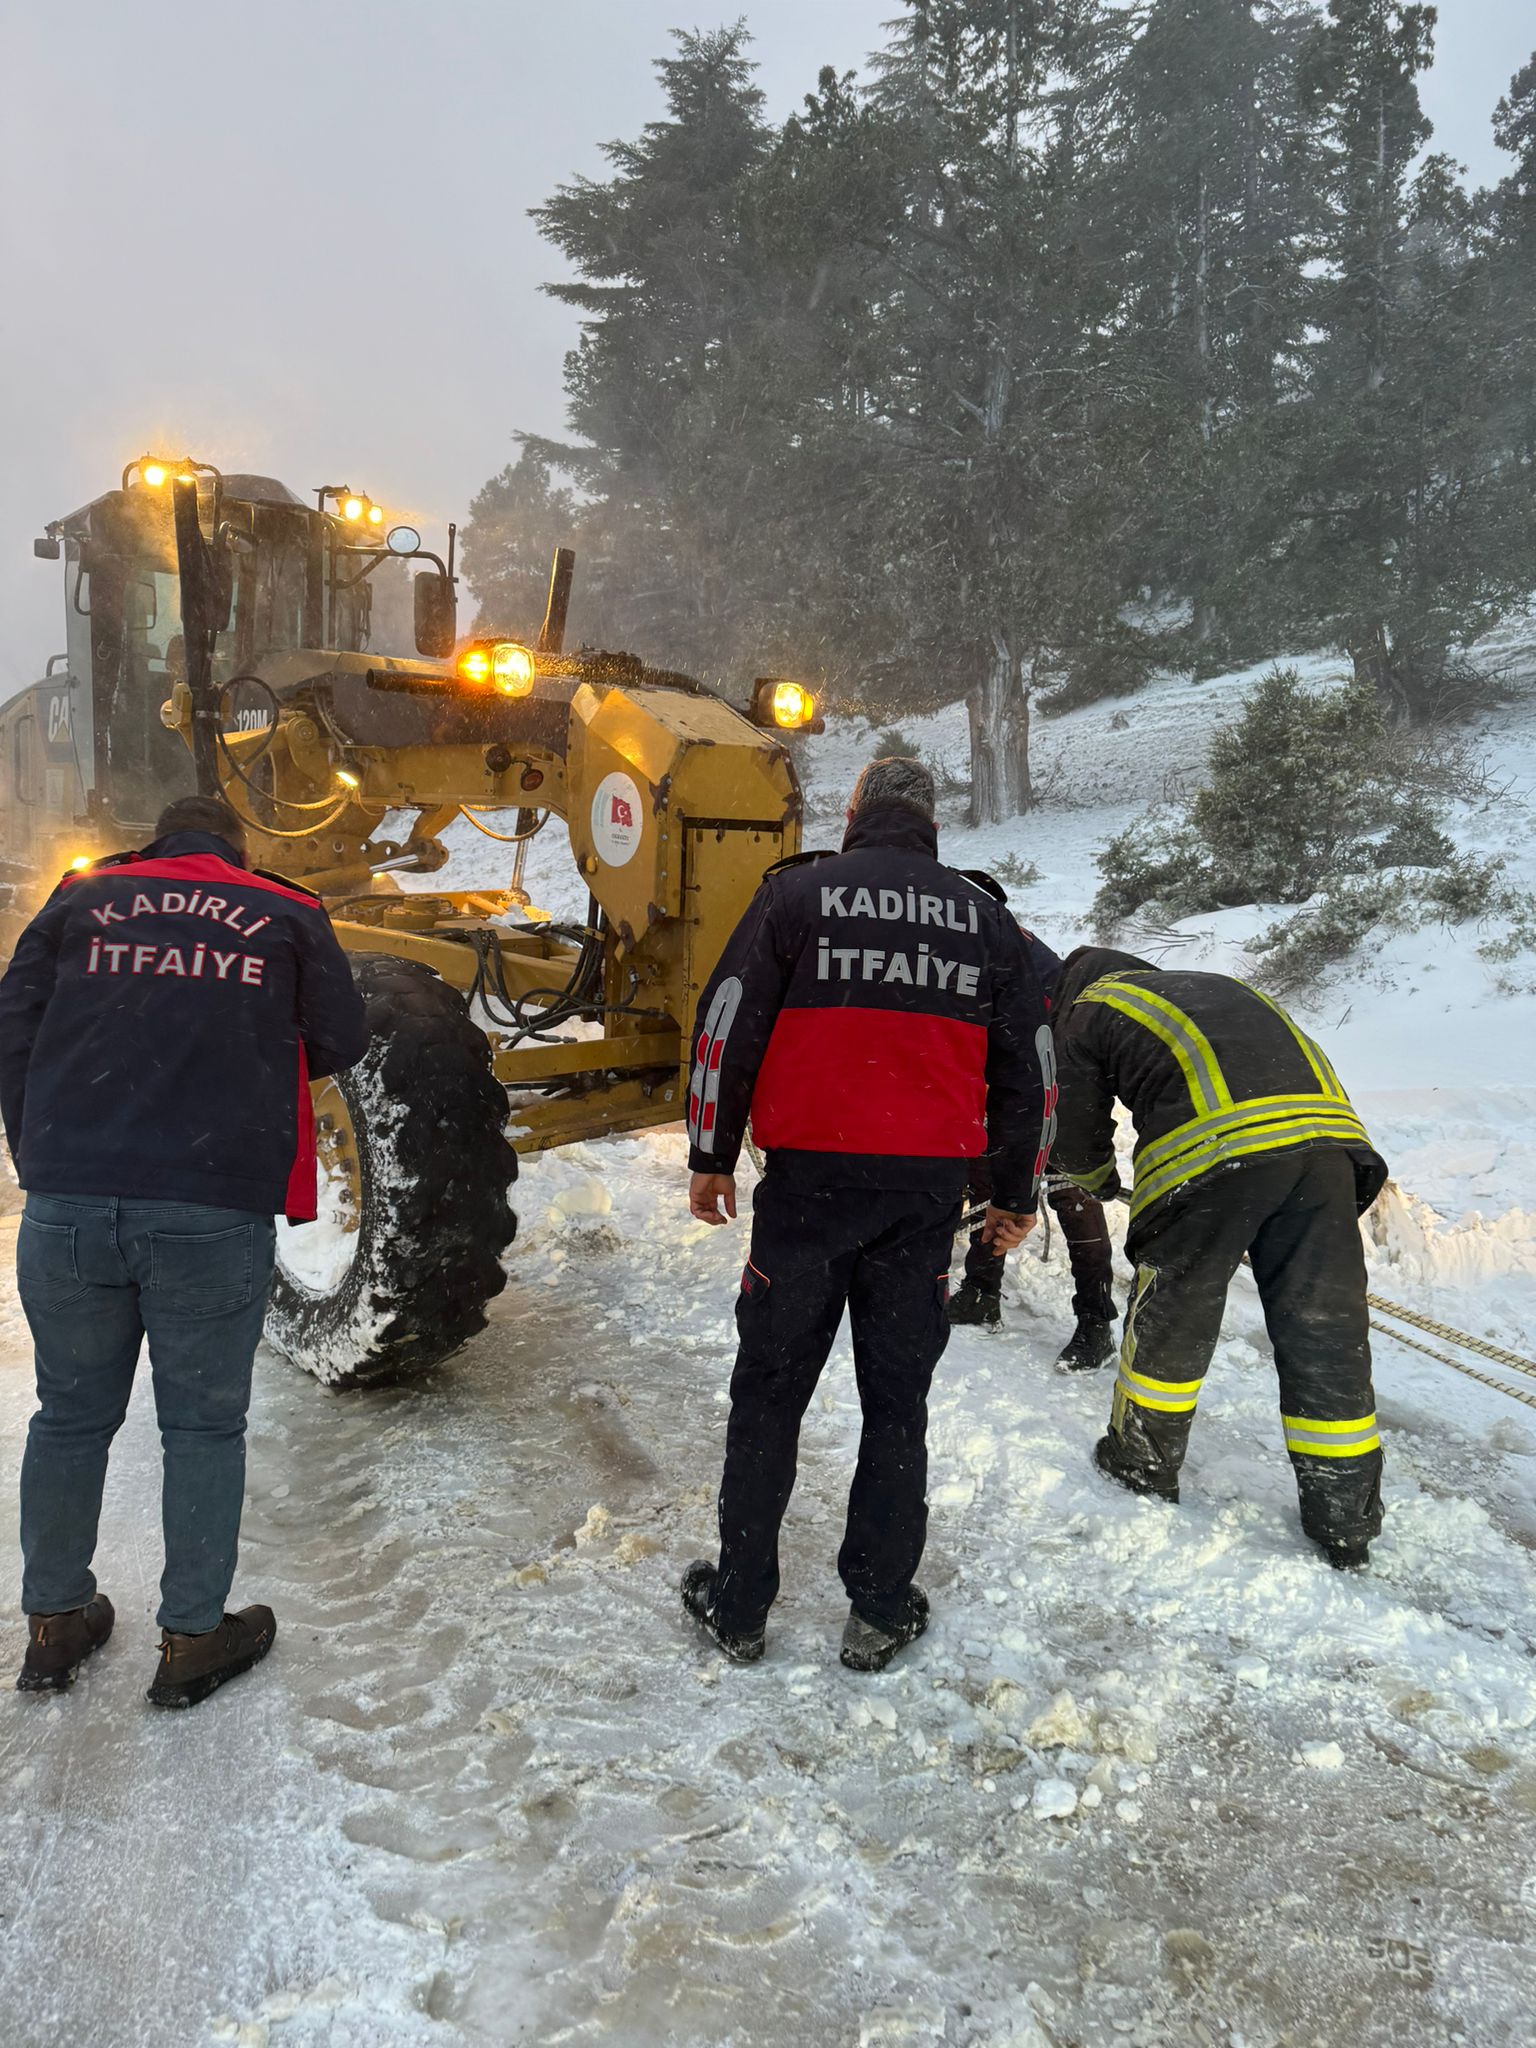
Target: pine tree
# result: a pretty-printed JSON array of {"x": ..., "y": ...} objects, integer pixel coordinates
[
  {"x": 1505, "y": 376},
  {"x": 659, "y": 385},
  {"x": 923, "y": 394},
  {"x": 516, "y": 521},
  {"x": 1013, "y": 452},
  {"x": 1396, "y": 476},
  {"x": 1206, "y": 176},
  {"x": 1348, "y": 481}
]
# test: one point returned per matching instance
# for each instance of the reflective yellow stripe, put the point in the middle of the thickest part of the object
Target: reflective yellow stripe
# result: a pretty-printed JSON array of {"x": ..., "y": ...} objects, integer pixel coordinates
[
  {"x": 1334, "y": 1450},
  {"x": 1311, "y": 1439},
  {"x": 1161, "y": 1387},
  {"x": 1091, "y": 1182},
  {"x": 1340, "y": 1125},
  {"x": 1159, "y": 1151},
  {"x": 1208, "y": 1091},
  {"x": 1316, "y": 1058},
  {"x": 1162, "y": 1397},
  {"x": 1200, "y": 1150},
  {"x": 1157, "y": 1406},
  {"x": 1355, "y": 1425},
  {"x": 1242, "y": 1145},
  {"x": 1146, "y": 1280},
  {"x": 1184, "y": 1029}
]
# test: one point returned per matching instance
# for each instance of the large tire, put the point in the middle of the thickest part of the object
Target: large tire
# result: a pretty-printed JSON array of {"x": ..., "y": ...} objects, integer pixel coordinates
[{"x": 425, "y": 1192}]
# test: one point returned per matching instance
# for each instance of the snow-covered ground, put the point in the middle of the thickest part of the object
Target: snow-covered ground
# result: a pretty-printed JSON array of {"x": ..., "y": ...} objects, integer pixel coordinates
[{"x": 1154, "y": 1776}]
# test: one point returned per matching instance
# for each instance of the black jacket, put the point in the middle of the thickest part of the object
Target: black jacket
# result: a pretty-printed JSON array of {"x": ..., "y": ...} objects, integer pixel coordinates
[
  {"x": 1212, "y": 1072},
  {"x": 880, "y": 1017},
  {"x": 160, "y": 1021}
]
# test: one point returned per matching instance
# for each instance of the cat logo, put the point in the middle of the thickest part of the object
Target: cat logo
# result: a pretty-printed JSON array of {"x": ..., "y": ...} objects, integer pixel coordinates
[{"x": 58, "y": 719}]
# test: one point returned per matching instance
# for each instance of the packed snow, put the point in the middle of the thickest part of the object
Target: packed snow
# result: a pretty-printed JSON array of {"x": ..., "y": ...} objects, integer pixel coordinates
[{"x": 1155, "y": 1776}]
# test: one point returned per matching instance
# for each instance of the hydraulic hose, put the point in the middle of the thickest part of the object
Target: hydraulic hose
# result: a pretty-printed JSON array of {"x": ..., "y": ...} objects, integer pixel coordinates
[{"x": 541, "y": 819}]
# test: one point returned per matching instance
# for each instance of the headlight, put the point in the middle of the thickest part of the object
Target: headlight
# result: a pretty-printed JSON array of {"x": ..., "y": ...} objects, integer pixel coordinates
[
  {"x": 375, "y": 515},
  {"x": 352, "y": 508},
  {"x": 792, "y": 705},
  {"x": 778, "y": 701},
  {"x": 512, "y": 668},
  {"x": 156, "y": 471},
  {"x": 505, "y": 665}
]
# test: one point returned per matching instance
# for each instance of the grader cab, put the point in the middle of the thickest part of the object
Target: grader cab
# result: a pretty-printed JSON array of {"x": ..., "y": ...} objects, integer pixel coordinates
[{"x": 225, "y": 637}]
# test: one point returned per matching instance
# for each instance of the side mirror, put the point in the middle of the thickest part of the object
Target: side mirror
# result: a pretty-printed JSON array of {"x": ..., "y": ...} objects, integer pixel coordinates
[
  {"x": 46, "y": 549},
  {"x": 223, "y": 590},
  {"x": 436, "y": 616}
]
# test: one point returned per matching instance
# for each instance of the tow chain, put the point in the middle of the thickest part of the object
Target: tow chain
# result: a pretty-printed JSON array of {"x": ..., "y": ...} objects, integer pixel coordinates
[
  {"x": 1448, "y": 1331},
  {"x": 1452, "y": 1335}
]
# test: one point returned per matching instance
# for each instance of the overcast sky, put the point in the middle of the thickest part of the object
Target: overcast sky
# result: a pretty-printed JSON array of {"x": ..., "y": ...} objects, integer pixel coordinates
[{"x": 293, "y": 237}]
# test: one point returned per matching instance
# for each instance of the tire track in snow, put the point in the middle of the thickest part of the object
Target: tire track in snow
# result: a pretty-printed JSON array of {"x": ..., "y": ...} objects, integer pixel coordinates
[{"x": 557, "y": 1817}]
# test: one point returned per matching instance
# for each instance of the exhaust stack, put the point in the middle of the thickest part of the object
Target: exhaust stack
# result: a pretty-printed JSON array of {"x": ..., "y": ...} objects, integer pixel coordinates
[{"x": 552, "y": 632}]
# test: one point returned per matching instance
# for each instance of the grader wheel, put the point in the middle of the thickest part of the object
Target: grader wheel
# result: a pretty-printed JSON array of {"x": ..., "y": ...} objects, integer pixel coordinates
[{"x": 394, "y": 1274}]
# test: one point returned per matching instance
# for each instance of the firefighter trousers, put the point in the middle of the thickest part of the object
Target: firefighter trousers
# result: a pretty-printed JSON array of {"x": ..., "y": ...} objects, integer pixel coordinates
[
  {"x": 1086, "y": 1234},
  {"x": 1294, "y": 1214},
  {"x": 884, "y": 1256}
]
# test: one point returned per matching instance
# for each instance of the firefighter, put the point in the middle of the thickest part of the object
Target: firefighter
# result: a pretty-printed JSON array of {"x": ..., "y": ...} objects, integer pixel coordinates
[
  {"x": 1245, "y": 1144},
  {"x": 979, "y": 1298},
  {"x": 159, "y": 1021},
  {"x": 878, "y": 1015},
  {"x": 1085, "y": 1232}
]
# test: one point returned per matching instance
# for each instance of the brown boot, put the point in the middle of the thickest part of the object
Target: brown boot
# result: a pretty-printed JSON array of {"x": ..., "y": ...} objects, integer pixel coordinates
[
  {"x": 191, "y": 1667},
  {"x": 58, "y": 1644}
]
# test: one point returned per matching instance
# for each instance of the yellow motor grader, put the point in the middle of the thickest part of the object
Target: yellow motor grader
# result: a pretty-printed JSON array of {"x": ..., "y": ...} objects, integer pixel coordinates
[{"x": 223, "y": 636}]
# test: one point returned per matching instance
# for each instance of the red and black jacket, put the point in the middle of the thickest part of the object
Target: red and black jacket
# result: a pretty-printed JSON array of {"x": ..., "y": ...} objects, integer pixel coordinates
[
  {"x": 880, "y": 1018},
  {"x": 160, "y": 1021}
]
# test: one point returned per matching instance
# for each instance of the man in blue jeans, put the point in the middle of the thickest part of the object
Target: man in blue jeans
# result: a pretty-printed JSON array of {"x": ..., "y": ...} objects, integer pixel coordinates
[{"x": 160, "y": 1022}]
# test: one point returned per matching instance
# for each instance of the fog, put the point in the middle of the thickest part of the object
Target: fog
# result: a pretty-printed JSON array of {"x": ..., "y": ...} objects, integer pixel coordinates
[{"x": 296, "y": 239}]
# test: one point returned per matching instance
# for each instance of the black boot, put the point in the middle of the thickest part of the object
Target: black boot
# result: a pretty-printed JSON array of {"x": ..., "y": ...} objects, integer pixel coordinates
[
  {"x": 870, "y": 1645},
  {"x": 191, "y": 1667},
  {"x": 1090, "y": 1345},
  {"x": 698, "y": 1589},
  {"x": 972, "y": 1304},
  {"x": 1340, "y": 1500},
  {"x": 1109, "y": 1455},
  {"x": 58, "y": 1644}
]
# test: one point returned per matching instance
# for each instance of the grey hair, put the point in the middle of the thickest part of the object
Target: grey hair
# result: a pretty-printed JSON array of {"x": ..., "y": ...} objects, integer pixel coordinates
[
  {"x": 895, "y": 780},
  {"x": 202, "y": 814}
]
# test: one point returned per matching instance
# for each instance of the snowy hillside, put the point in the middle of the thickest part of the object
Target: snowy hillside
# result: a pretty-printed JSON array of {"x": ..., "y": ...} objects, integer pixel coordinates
[
  {"x": 1397, "y": 1020},
  {"x": 1434, "y": 1043},
  {"x": 1155, "y": 1776}
]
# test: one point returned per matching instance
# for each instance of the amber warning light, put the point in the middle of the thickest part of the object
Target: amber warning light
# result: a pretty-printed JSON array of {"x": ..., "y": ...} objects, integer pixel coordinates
[
  {"x": 157, "y": 470},
  {"x": 779, "y": 702}
]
